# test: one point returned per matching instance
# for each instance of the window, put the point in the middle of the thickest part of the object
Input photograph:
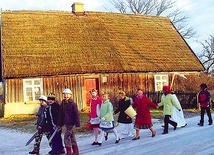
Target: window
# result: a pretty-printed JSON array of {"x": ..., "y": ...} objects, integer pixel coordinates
[
  {"x": 32, "y": 89},
  {"x": 160, "y": 81}
]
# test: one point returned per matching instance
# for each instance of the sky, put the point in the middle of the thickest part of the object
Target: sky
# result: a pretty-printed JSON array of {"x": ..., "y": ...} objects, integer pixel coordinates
[{"x": 200, "y": 13}]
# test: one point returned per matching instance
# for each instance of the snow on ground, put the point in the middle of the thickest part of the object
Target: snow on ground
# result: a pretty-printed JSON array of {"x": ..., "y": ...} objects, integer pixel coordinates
[{"x": 190, "y": 140}]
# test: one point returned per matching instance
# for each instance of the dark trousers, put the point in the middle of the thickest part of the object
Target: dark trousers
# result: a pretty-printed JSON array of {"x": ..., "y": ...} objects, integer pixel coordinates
[
  {"x": 57, "y": 141},
  {"x": 167, "y": 121},
  {"x": 207, "y": 109}
]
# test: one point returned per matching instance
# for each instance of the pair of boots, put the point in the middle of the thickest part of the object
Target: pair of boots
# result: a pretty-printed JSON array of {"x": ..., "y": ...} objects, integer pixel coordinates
[
  {"x": 74, "y": 148},
  {"x": 34, "y": 152},
  {"x": 56, "y": 152}
]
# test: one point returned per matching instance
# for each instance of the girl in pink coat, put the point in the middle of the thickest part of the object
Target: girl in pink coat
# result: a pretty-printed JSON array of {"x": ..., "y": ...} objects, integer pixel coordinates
[
  {"x": 143, "y": 117},
  {"x": 95, "y": 104}
]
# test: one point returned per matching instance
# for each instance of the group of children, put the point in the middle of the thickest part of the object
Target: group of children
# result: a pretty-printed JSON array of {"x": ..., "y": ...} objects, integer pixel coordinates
[
  {"x": 52, "y": 116},
  {"x": 101, "y": 117},
  {"x": 102, "y": 109}
]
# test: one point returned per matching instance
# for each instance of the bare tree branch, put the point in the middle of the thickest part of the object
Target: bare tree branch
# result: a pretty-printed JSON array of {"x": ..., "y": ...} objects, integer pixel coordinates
[
  {"x": 164, "y": 5},
  {"x": 140, "y": 6},
  {"x": 177, "y": 17},
  {"x": 119, "y": 5},
  {"x": 157, "y": 7},
  {"x": 187, "y": 32},
  {"x": 207, "y": 54}
]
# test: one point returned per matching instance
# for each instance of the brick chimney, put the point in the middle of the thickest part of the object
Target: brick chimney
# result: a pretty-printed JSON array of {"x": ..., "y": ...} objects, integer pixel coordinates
[{"x": 78, "y": 9}]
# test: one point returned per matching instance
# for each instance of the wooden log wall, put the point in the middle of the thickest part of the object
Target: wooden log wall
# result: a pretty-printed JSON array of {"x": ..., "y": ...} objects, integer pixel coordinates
[
  {"x": 128, "y": 83},
  {"x": 59, "y": 83},
  {"x": 115, "y": 82},
  {"x": 14, "y": 91},
  {"x": 14, "y": 87},
  {"x": 56, "y": 84}
]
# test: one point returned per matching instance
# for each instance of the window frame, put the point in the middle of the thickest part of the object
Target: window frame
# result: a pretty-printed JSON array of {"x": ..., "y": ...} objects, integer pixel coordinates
[
  {"x": 32, "y": 86},
  {"x": 161, "y": 81}
]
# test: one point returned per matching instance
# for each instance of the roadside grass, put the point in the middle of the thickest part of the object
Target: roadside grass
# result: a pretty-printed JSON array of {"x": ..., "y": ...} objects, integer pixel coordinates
[
  {"x": 158, "y": 113},
  {"x": 26, "y": 123}
]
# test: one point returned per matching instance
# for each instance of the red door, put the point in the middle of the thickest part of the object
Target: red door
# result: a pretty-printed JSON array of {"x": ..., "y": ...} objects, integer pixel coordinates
[{"x": 90, "y": 84}]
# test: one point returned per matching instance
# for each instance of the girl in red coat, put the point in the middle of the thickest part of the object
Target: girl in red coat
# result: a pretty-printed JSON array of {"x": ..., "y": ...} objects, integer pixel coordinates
[{"x": 143, "y": 117}]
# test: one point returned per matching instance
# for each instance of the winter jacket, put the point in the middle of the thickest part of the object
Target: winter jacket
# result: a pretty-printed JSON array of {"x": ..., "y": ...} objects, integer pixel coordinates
[
  {"x": 93, "y": 106},
  {"x": 106, "y": 111},
  {"x": 43, "y": 117},
  {"x": 143, "y": 105},
  {"x": 122, "y": 106},
  {"x": 167, "y": 101},
  {"x": 54, "y": 113},
  {"x": 204, "y": 98},
  {"x": 69, "y": 114}
]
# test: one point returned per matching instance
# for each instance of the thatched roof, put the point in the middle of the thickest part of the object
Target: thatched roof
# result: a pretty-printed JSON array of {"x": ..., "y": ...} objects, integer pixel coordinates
[{"x": 41, "y": 43}]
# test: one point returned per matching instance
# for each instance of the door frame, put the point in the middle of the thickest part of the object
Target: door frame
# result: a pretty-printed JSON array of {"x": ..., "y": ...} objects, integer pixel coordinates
[{"x": 97, "y": 78}]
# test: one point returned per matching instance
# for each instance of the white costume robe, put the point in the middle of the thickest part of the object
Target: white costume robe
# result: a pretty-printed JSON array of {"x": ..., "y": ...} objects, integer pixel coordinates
[{"x": 178, "y": 116}]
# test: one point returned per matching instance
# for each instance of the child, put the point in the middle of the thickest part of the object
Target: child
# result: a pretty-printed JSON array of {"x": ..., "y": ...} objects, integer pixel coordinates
[
  {"x": 57, "y": 147},
  {"x": 107, "y": 119},
  {"x": 204, "y": 101},
  {"x": 95, "y": 104},
  {"x": 69, "y": 116},
  {"x": 125, "y": 122},
  {"x": 177, "y": 116},
  {"x": 43, "y": 125},
  {"x": 167, "y": 101},
  {"x": 143, "y": 117}
]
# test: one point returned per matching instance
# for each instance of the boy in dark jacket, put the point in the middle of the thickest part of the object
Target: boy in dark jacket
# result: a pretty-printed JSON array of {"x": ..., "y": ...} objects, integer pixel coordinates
[
  {"x": 204, "y": 101},
  {"x": 42, "y": 124},
  {"x": 54, "y": 108},
  {"x": 69, "y": 116}
]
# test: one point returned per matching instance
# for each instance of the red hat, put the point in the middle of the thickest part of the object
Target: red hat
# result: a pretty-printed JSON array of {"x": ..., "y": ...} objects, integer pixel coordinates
[{"x": 166, "y": 88}]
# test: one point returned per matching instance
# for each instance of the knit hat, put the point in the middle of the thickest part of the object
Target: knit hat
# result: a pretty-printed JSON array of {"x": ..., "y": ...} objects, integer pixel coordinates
[
  {"x": 122, "y": 92},
  {"x": 203, "y": 86},
  {"x": 51, "y": 96},
  {"x": 167, "y": 88}
]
